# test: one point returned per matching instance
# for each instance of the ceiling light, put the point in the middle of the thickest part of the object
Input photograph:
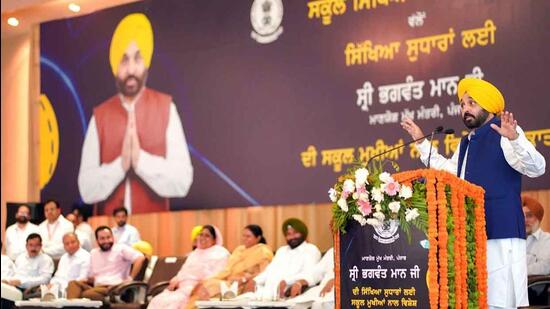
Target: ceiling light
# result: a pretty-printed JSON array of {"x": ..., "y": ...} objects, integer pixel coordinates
[
  {"x": 73, "y": 7},
  {"x": 12, "y": 21}
]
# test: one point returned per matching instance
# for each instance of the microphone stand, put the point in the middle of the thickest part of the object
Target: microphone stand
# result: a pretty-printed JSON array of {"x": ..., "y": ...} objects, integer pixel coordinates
[
  {"x": 431, "y": 144},
  {"x": 435, "y": 131},
  {"x": 446, "y": 132}
]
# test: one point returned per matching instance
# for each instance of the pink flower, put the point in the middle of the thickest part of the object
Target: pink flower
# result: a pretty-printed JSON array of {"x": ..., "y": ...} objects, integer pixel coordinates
[
  {"x": 391, "y": 188},
  {"x": 364, "y": 207},
  {"x": 361, "y": 189},
  {"x": 344, "y": 195}
]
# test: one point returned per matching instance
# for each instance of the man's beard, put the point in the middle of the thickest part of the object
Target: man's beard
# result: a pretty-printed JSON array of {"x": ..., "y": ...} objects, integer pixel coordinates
[
  {"x": 22, "y": 219},
  {"x": 131, "y": 91},
  {"x": 106, "y": 246},
  {"x": 295, "y": 242},
  {"x": 473, "y": 122},
  {"x": 121, "y": 224}
]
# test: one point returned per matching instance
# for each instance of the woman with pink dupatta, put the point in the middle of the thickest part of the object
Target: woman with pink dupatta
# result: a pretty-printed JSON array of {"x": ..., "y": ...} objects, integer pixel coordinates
[{"x": 208, "y": 259}]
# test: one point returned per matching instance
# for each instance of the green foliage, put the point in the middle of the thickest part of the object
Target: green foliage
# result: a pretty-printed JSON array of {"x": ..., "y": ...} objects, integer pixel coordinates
[
  {"x": 451, "y": 270},
  {"x": 471, "y": 254}
]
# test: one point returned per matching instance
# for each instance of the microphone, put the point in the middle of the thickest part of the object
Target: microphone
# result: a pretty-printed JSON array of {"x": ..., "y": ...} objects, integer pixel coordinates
[
  {"x": 446, "y": 132},
  {"x": 435, "y": 131}
]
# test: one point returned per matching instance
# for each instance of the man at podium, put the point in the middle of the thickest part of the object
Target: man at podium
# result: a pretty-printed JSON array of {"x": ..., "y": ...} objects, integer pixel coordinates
[{"x": 493, "y": 155}]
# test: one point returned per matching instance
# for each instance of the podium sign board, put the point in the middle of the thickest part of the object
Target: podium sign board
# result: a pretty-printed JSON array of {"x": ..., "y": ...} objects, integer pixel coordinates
[{"x": 377, "y": 267}]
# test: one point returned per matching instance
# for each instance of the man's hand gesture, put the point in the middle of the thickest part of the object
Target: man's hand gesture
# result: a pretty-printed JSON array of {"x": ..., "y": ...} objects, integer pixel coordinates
[
  {"x": 414, "y": 130},
  {"x": 507, "y": 126}
]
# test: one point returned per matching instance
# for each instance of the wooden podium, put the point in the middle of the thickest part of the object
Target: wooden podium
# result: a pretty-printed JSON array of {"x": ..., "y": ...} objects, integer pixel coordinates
[{"x": 441, "y": 267}]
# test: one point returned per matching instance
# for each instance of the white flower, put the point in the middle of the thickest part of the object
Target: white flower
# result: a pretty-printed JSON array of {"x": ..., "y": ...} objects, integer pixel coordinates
[
  {"x": 355, "y": 195},
  {"x": 378, "y": 207},
  {"x": 374, "y": 222},
  {"x": 394, "y": 206},
  {"x": 349, "y": 186},
  {"x": 379, "y": 216},
  {"x": 411, "y": 214},
  {"x": 377, "y": 194},
  {"x": 361, "y": 176},
  {"x": 333, "y": 195},
  {"x": 343, "y": 204},
  {"x": 406, "y": 192},
  {"x": 360, "y": 219},
  {"x": 385, "y": 177}
]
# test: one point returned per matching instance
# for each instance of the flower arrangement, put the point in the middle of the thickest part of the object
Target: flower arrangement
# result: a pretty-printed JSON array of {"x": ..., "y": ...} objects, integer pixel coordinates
[
  {"x": 449, "y": 210},
  {"x": 371, "y": 197}
]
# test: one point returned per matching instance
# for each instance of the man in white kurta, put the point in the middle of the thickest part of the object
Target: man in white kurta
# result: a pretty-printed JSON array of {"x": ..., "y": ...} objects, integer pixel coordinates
[
  {"x": 83, "y": 227},
  {"x": 8, "y": 268},
  {"x": 83, "y": 237},
  {"x": 33, "y": 267},
  {"x": 289, "y": 262},
  {"x": 538, "y": 241},
  {"x": 17, "y": 233},
  {"x": 506, "y": 258},
  {"x": 8, "y": 271},
  {"x": 124, "y": 232},
  {"x": 74, "y": 264},
  {"x": 53, "y": 229},
  {"x": 320, "y": 279}
]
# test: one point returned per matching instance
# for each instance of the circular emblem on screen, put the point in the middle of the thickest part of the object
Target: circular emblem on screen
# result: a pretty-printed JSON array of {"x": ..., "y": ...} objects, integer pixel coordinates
[
  {"x": 387, "y": 232},
  {"x": 266, "y": 17}
]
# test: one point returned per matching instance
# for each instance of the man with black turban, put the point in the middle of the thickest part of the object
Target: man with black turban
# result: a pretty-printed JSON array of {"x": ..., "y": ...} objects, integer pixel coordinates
[
  {"x": 493, "y": 155},
  {"x": 289, "y": 261}
]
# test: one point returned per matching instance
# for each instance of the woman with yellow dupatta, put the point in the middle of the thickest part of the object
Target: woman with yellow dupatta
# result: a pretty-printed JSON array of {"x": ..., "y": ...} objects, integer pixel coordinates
[{"x": 246, "y": 262}]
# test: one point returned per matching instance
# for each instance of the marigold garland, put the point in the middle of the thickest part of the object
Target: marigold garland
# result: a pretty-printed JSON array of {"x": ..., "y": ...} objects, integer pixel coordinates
[
  {"x": 481, "y": 245},
  {"x": 432, "y": 238},
  {"x": 453, "y": 207}
]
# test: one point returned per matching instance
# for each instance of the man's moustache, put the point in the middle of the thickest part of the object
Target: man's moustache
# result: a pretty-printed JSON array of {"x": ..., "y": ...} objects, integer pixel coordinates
[{"x": 127, "y": 79}]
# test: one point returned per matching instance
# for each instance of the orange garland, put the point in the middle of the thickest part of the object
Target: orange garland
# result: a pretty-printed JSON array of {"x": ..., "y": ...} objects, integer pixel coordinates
[
  {"x": 436, "y": 201},
  {"x": 481, "y": 245},
  {"x": 432, "y": 239}
]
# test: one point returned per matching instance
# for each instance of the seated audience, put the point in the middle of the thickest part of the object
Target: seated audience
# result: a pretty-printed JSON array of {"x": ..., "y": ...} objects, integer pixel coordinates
[
  {"x": 83, "y": 238},
  {"x": 124, "y": 232},
  {"x": 321, "y": 280},
  {"x": 17, "y": 233},
  {"x": 538, "y": 241},
  {"x": 10, "y": 293},
  {"x": 32, "y": 268},
  {"x": 297, "y": 257},
  {"x": 109, "y": 266},
  {"x": 53, "y": 229},
  {"x": 245, "y": 263},
  {"x": 81, "y": 223},
  {"x": 8, "y": 268},
  {"x": 208, "y": 259},
  {"x": 74, "y": 264}
]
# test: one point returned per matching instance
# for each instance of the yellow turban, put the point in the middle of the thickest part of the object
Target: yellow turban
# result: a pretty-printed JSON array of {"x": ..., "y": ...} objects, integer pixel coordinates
[
  {"x": 143, "y": 247},
  {"x": 132, "y": 28},
  {"x": 484, "y": 93},
  {"x": 195, "y": 232}
]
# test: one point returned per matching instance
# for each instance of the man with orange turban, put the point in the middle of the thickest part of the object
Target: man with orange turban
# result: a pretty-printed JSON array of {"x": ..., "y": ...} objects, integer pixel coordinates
[
  {"x": 538, "y": 241},
  {"x": 494, "y": 155},
  {"x": 135, "y": 154}
]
